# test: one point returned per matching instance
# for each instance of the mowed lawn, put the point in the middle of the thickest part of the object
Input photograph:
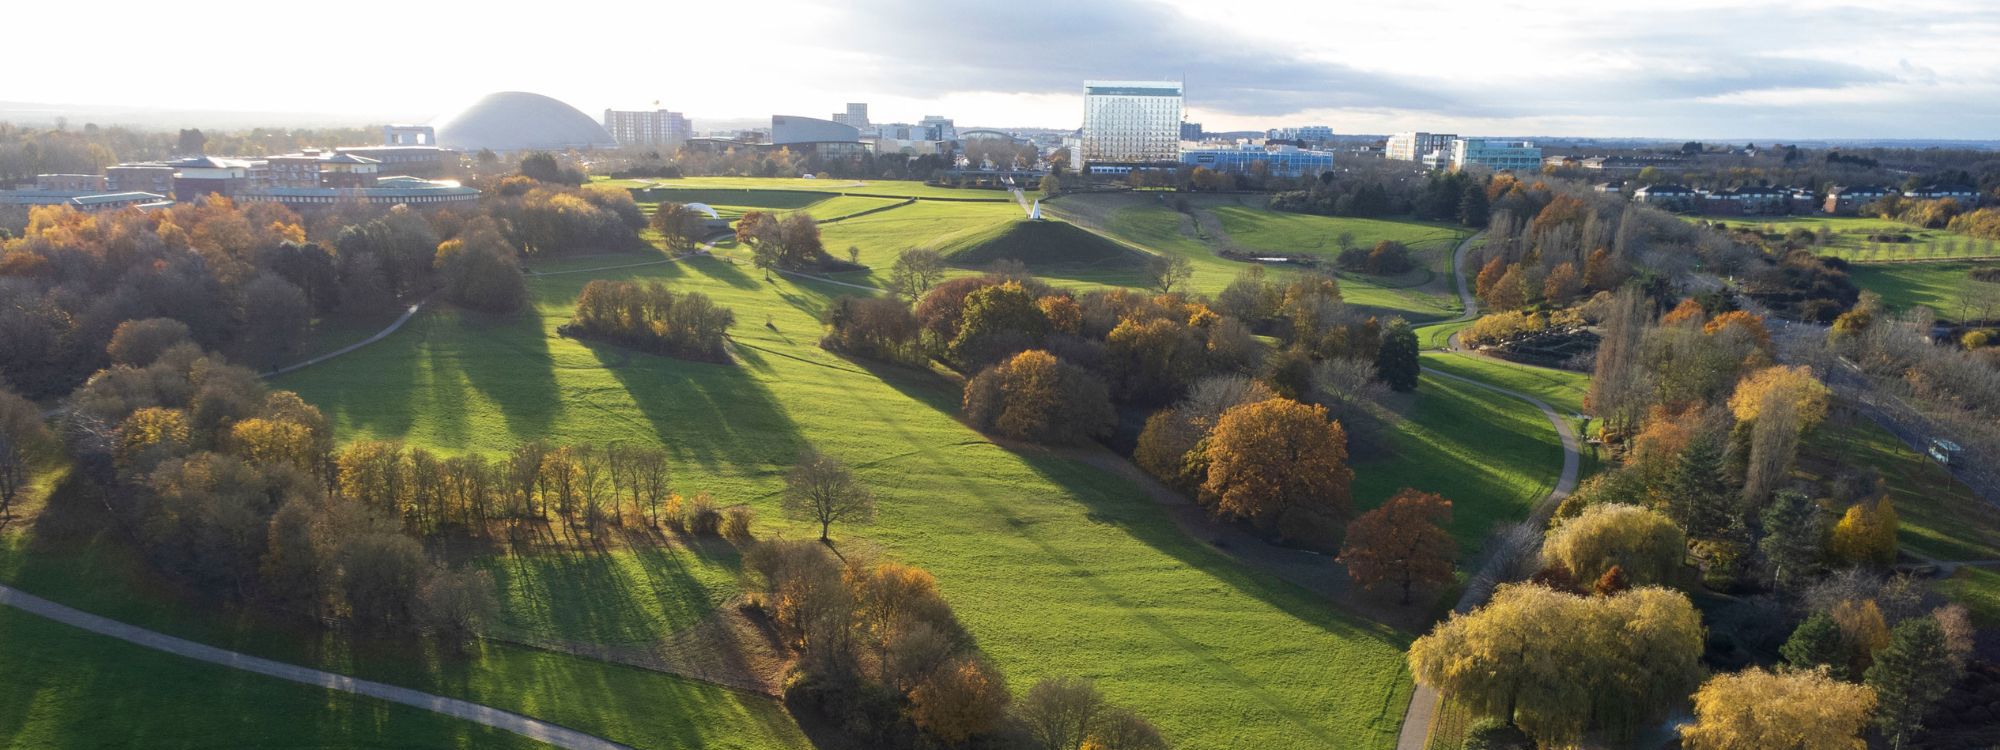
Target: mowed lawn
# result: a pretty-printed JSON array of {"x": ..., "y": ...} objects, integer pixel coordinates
[
  {"x": 1939, "y": 516},
  {"x": 1146, "y": 220},
  {"x": 1057, "y": 568},
  {"x": 1946, "y": 288},
  {"x": 1849, "y": 237},
  {"x": 66, "y": 687},
  {"x": 1493, "y": 456}
]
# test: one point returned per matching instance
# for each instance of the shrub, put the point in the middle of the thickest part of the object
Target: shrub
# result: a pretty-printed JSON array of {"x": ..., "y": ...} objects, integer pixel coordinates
[
  {"x": 736, "y": 523},
  {"x": 652, "y": 318},
  {"x": 874, "y": 327},
  {"x": 676, "y": 513},
  {"x": 701, "y": 516}
]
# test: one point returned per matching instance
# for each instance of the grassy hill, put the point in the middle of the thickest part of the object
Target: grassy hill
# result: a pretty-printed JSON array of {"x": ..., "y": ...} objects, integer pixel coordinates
[
  {"x": 1946, "y": 288},
  {"x": 1045, "y": 245},
  {"x": 1057, "y": 567}
]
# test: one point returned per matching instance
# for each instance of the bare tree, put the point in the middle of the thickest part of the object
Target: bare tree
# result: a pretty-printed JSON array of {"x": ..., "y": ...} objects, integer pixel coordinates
[
  {"x": 916, "y": 271},
  {"x": 1164, "y": 272},
  {"x": 822, "y": 490}
]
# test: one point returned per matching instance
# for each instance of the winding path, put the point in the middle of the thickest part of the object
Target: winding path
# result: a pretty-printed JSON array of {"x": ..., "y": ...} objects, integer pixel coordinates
[
  {"x": 531, "y": 728},
  {"x": 1424, "y": 701}
]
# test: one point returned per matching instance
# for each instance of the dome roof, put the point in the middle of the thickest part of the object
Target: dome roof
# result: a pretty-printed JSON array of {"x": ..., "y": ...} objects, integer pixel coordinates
[{"x": 520, "y": 121}]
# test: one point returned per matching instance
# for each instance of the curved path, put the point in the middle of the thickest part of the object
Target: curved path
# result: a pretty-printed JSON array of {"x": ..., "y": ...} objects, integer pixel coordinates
[
  {"x": 531, "y": 728},
  {"x": 1424, "y": 701}
]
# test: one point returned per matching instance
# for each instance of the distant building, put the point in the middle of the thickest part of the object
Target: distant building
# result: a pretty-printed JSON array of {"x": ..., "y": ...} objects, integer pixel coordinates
[
  {"x": 143, "y": 177},
  {"x": 315, "y": 168},
  {"x": 1276, "y": 161},
  {"x": 409, "y": 135},
  {"x": 1412, "y": 146},
  {"x": 1128, "y": 123},
  {"x": 1302, "y": 134},
  {"x": 1669, "y": 197},
  {"x": 1631, "y": 163},
  {"x": 79, "y": 182},
  {"x": 1848, "y": 199},
  {"x": 1190, "y": 131},
  {"x": 81, "y": 200},
  {"x": 659, "y": 128},
  {"x": 412, "y": 161},
  {"x": 939, "y": 128},
  {"x": 793, "y": 129},
  {"x": 196, "y": 176},
  {"x": 1499, "y": 156},
  {"x": 855, "y": 117},
  {"x": 1749, "y": 200},
  {"x": 388, "y": 191},
  {"x": 1964, "y": 195}
]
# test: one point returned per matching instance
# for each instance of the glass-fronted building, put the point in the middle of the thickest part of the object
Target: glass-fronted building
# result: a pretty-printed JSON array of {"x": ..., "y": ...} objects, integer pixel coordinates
[
  {"x": 1131, "y": 122},
  {"x": 1499, "y": 156},
  {"x": 1278, "y": 161}
]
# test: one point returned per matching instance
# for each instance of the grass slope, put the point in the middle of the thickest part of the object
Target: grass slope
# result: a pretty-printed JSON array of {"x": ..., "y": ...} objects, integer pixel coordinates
[
  {"x": 1850, "y": 237},
  {"x": 1058, "y": 569},
  {"x": 898, "y": 188},
  {"x": 1945, "y": 288},
  {"x": 1939, "y": 516},
  {"x": 645, "y": 709},
  {"x": 69, "y": 688}
]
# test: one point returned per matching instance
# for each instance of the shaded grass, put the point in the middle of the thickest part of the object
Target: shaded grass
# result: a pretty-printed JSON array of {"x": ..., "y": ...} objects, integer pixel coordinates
[
  {"x": 1056, "y": 567},
  {"x": 903, "y": 188},
  {"x": 1979, "y": 590},
  {"x": 67, "y": 688}
]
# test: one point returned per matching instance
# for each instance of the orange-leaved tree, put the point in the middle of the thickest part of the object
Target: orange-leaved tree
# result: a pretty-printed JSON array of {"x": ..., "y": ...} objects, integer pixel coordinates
[
  {"x": 1402, "y": 543},
  {"x": 1281, "y": 465}
]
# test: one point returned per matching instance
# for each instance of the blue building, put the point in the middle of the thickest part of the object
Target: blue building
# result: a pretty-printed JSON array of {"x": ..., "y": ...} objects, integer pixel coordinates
[{"x": 1278, "y": 161}]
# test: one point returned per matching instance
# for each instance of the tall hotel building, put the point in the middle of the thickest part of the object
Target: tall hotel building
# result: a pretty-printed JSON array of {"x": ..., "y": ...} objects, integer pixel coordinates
[
  {"x": 1130, "y": 123},
  {"x": 642, "y": 128},
  {"x": 1413, "y": 146}
]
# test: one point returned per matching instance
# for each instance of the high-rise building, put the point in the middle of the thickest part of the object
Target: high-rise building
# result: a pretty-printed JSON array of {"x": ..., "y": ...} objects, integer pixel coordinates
[
  {"x": 1131, "y": 122},
  {"x": 1496, "y": 155},
  {"x": 648, "y": 128},
  {"x": 856, "y": 116},
  {"x": 1413, "y": 146},
  {"x": 939, "y": 128}
]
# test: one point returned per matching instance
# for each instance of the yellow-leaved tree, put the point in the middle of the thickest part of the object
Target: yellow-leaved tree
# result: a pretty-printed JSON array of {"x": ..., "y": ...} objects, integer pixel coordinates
[
  {"x": 1866, "y": 533},
  {"x": 1794, "y": 710},
  {"x": 1646, "y": 544}
]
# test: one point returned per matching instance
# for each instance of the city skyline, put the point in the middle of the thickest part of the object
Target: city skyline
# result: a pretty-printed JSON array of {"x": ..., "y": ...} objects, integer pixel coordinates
[{"x": 1702, "y": 69}]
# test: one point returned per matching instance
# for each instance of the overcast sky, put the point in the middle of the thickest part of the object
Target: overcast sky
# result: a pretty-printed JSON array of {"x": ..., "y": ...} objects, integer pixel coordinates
[{"x": 1689, "y": 68}]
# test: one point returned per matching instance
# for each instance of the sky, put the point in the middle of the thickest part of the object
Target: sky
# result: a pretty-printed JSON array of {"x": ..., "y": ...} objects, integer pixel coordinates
[{"x": 1707, "y": 69}]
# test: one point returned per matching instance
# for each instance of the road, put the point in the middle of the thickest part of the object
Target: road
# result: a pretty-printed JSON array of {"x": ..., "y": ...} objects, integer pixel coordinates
[{"x": 531, "y": 728}]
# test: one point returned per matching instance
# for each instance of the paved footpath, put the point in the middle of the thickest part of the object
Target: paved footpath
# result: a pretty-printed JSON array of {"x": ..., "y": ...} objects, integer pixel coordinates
[{"x": 535, "y": 729}]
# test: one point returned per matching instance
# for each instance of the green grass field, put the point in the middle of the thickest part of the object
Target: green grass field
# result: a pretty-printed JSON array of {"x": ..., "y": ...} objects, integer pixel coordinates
[
  {"x": 68, "y": 688},
  {"x": 1946, "y": 288},
  {"x": 1939, "y": 516},
  {"x": 1493, "y": 456},
  {"x": 1850, "y": 237},
  {"x": 1146, "y": 219},
  {"x": 1058, "y": 568},
  {"x": 99, "y": 575},
  {"x": 1979, "y": 590}
]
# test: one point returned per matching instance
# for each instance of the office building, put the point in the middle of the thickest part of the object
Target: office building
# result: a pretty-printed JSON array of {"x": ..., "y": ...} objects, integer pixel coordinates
[
  {"x": 1191, "y": 131},
  {"x": 656, "y": 128},
  {"x": 855, "y": 117},
  {"x": 1495, "y": 155},
  {"x": 1276, "y": 161},
  {"x": 1414, "y": 145},
  {"x": 1302, "y": 134},
  {"x": 409, "y": 135},
  {"x": 939, "y": 128},
  {"x": 793, "y": 129},
  {"x": 1130, "y": 123}
]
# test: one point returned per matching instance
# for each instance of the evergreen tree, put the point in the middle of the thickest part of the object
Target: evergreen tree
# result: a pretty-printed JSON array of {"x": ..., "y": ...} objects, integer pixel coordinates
[
  {"x": 1699, "y": 499},
  {"x": 1793, "y": 530},
  {"x": 1472, "y": 206},
  {"x": 1817, "y": 643},
  {"x": 1909, "y": 676},
  {"x": 1396, "y": 361}
]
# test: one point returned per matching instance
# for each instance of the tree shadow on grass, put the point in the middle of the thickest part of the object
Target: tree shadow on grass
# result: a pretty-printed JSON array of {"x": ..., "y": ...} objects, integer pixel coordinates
[
  {"x": 508, "y": 360},
  {"x": 737, "y": 418}
]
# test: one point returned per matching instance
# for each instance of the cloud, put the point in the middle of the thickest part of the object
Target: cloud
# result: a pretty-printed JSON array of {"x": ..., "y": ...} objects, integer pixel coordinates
[{"x": 1044, "y": 46}]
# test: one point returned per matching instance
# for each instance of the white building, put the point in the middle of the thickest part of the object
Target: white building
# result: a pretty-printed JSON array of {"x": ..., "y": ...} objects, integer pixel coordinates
[
  {"x": 1498, "y": 156},
  {"x": 1131, "y": 122},
  {"x": 1414, "y": 145},
  {"x": 648, "y": 128},
  {"x": 856, "y": 116}
]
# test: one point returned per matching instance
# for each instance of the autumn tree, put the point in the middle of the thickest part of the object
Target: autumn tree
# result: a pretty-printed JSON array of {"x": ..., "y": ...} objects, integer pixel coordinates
[
  {"x": 138, "y": 342},
  {"x": 915, "y": 271},
  {"x": 963, "y": 699},
  {"x": 1402, "y": 543},
  {"x": 822, "y": 490},
  {"x": 1792, "y": 710},
  {"x": 22, "y": 438},
  {"x": 680, "y": 226},
  {"x": 1281, "y": 465},
  {"x": 1164, "y": 272},
  {"x": 1562, "y": 285},
  {"x": 760, "y": 230},
  {"x": 1059, "y": 713},
  {"x": 1620, "y": 389},
  {"x": 1866, "y": 533},
  {"x": 275, "y": 316},
  {"x": 1909, "y": 676},
  {"x": 1559, "y": 665},
  {"x": 1863, "y": 631},
  {"x": 1647, "y": 545},
  {"x": 1036, "y": 397},
  {"x": 998, "y": 321}
]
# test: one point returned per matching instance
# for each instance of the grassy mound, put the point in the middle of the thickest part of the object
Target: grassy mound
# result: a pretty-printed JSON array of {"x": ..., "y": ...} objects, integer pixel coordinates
[{"x": 1043, "y": 244}]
